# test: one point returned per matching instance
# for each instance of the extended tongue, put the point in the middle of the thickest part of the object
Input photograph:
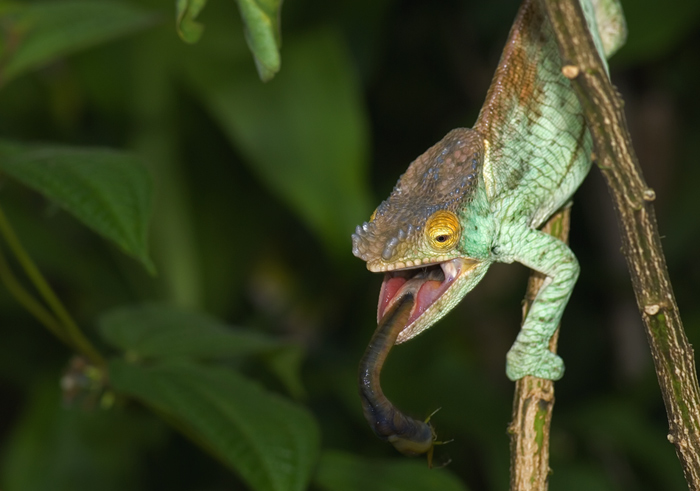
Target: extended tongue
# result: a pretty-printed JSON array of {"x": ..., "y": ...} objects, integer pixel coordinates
[
  {"x": 427, "y": 285},
  {"x": 424, "y": 291}
]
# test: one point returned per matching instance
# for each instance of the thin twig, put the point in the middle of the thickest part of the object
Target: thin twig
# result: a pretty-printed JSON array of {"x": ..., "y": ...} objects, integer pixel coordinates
[
  {"x": 70, "y": 330},
  {"x": 533, "y": 400},
  {"x": 26, "y": 300},
  {"x": 632, "y": 198}
]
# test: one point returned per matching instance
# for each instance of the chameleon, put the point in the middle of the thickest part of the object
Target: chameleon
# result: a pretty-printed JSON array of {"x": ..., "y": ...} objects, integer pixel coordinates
[{"x": 480, "y": 196}]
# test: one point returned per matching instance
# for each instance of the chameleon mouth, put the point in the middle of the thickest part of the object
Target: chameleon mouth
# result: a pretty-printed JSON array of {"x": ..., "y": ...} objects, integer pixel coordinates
[{"x": 428, "y": 284}]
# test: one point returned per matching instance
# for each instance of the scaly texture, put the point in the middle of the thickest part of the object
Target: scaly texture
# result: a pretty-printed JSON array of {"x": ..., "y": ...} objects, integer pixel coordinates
[
  {"x": 480, "y": 195},
  {"x": 673, "y": 356}
]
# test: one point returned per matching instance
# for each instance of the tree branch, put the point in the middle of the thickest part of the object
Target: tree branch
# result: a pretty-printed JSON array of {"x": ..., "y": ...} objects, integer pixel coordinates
[
  {"x": 533, "y": 400},
  {"x": 632, "y": 198}
]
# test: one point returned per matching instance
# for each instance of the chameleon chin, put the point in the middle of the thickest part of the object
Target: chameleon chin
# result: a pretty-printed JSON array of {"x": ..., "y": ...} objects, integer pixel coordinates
[{"x": 477, "y": 197}]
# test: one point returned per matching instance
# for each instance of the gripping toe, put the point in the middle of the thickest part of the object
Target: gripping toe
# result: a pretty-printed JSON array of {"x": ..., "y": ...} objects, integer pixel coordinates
[{"x": 543, "y": 364}]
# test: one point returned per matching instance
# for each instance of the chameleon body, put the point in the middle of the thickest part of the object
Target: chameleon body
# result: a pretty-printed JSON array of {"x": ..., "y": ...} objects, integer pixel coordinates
[{"x": 480, "y": 195}]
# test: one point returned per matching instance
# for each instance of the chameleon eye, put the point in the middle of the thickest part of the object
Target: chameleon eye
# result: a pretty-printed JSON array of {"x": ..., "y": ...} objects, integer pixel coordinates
[{"x": 443, "y": 230}]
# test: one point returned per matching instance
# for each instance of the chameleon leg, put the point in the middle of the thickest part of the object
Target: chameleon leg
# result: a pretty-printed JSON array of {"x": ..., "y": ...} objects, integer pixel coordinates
[{"x": 530, "y": 353}]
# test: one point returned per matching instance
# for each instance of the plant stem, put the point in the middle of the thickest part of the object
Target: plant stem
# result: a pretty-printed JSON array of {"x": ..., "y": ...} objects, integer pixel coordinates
[
  {"x": 25, "y": 299},
  {"x": 70, "y": 332},
  {"x": 632, "y": 198},
  {"x": 533, "y": 400}
]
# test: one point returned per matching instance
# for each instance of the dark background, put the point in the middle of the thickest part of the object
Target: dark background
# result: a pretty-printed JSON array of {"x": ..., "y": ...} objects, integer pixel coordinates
[{"x": 229, "y": 239}]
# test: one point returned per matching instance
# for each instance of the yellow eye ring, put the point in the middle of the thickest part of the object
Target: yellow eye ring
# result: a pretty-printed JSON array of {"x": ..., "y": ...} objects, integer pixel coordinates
[{"x": 443, "y": 230}]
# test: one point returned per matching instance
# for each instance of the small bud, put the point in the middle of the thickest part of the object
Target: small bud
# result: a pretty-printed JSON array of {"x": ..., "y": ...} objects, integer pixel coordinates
[{"x": 570, "y": 71}]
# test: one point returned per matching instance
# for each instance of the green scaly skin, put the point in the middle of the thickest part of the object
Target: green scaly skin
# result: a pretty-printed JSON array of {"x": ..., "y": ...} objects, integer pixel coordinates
[{"x": 526, "y": 155}]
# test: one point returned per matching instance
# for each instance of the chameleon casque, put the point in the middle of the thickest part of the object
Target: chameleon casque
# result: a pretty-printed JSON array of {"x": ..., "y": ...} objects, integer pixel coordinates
[{"x": 477, "y": 197}]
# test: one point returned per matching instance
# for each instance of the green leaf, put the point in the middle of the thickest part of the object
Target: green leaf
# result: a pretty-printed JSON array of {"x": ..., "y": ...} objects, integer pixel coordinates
[
  {"x": 164, "y": 332},
  {"x": 43, "y": 31},
  {"x": 108, "y": 191},
  {"x": 271, "y": 442},
  {"x": 305, "y": 134},
  {"x": 340, "y": 471},
  {"x": 261, "y": 19},
  {"x": 286, "y": 365},
  {"x": 75, "y": 448},
  {"x": 187, "y": 28},
  {"x": 153, "y": 331}
]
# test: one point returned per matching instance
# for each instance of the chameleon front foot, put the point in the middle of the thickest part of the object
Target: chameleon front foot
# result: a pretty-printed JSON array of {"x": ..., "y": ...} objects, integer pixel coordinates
[{"x": 540, "y": 363}]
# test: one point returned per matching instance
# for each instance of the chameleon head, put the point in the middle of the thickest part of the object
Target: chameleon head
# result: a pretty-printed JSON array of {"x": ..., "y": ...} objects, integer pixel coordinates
[{"x": 417, "y": 233}]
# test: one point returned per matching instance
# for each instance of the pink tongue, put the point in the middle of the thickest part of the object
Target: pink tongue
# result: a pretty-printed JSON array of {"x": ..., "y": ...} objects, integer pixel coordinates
[
  {"x": 427, "y": 294},
  {"x": 390, "y": 287}
]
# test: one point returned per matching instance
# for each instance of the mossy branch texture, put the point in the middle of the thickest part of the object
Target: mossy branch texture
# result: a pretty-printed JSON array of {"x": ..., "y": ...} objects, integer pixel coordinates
[{"x": 632, "y": 198}]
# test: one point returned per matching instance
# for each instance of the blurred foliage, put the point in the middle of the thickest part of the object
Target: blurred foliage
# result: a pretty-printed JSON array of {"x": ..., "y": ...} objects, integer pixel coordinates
[
  {"x": 108, "y": 191},
  {"x": 256, "y": 189}
]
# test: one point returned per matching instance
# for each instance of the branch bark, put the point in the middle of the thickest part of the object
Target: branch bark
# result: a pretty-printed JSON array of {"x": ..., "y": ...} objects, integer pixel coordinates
[
  {"x": 533, "y": 400},
  {"x": 632, "y": 198}
]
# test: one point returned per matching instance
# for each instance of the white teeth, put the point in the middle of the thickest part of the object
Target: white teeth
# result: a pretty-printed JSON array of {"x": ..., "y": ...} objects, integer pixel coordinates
[{"x": 449, "y": 269}]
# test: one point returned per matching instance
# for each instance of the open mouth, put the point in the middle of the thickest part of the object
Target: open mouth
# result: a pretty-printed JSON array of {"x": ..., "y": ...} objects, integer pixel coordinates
[{"x": 428, "y": 285}]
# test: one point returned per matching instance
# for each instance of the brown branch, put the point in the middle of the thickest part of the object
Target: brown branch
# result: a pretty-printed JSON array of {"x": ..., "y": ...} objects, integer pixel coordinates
[
  {"x": 603, "y": 109},
  {"x": 533, "y": 400}
]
